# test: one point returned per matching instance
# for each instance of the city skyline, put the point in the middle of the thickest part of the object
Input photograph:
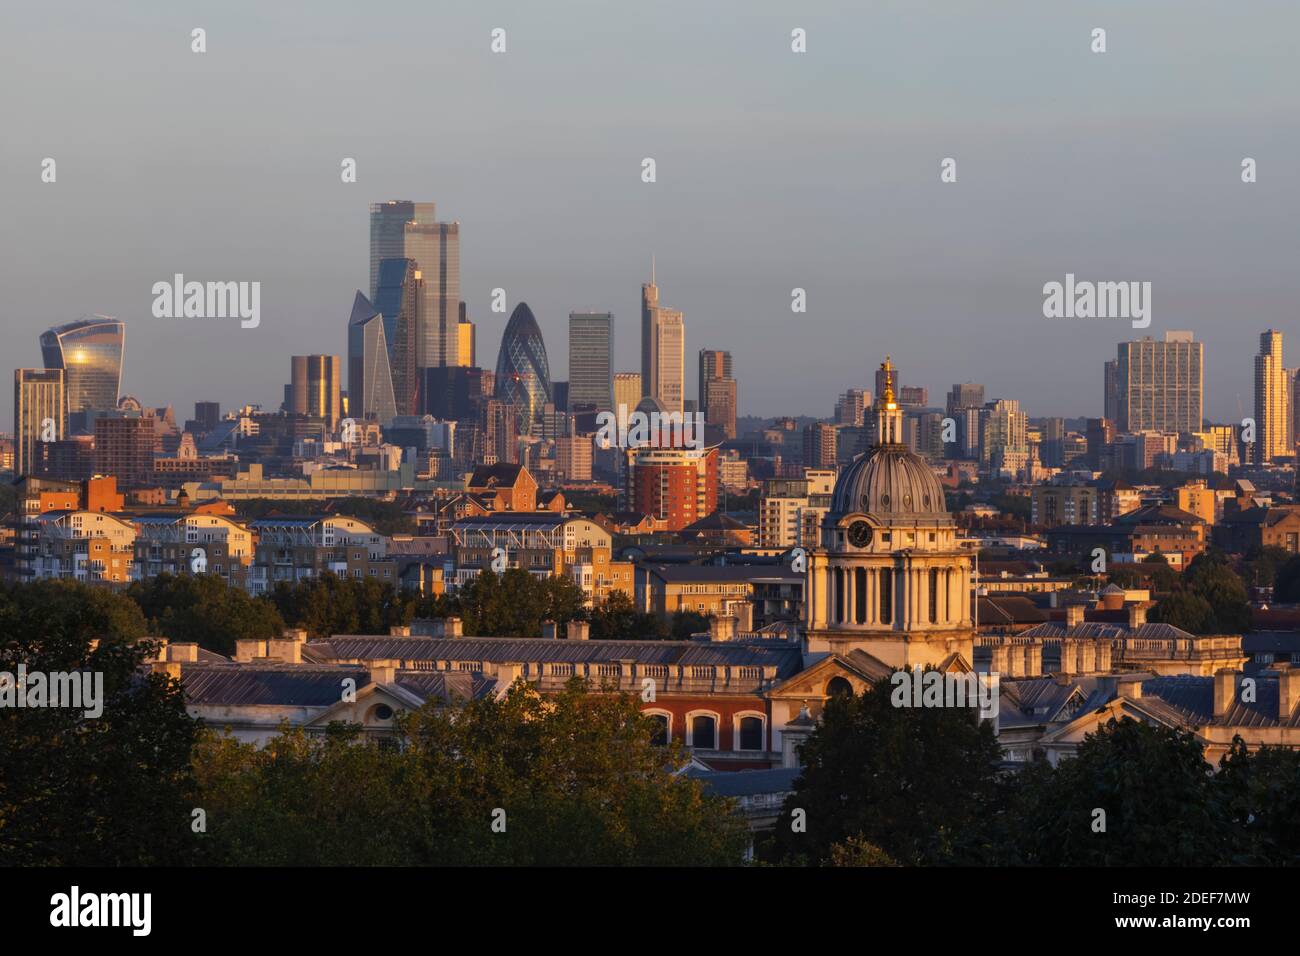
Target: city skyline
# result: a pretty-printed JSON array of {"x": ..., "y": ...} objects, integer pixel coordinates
[{"x": 953, "y": 278}]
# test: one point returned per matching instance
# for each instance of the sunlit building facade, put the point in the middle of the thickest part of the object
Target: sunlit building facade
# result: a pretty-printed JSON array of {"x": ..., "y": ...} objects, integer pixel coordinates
[{"x": 89, "y": 352}]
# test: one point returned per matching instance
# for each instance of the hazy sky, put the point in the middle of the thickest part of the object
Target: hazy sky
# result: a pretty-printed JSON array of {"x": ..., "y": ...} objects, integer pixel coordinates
[{"x": 775, "y": 170}]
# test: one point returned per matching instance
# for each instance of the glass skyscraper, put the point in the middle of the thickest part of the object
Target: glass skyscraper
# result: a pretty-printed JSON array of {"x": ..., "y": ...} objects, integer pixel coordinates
[
  {"x": 370, "y": 377},
  {"x": 400, "y": 286},
  {"x": 523, "y": 375},
  {"x": 591, "y": 360},
  {"x": 409, "y": 230},
  {"x": 39, "y": 414},
  {"x": 89, "y": 351}
]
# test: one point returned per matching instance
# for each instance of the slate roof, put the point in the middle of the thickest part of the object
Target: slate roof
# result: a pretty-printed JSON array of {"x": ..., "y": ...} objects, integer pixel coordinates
[
  {"x": 1192, "y": 698},
  {"x": 747, "y": 783},
  {"x": 1093, "y": 629},
  {"x": 309, "y": 685},
  {"x": 787, "y": 659},
  {"x": 705, "y": 573}
]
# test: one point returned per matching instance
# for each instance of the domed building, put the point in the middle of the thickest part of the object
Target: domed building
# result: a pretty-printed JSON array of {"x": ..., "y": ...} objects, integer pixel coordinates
[{"x": 888, "y": 577}]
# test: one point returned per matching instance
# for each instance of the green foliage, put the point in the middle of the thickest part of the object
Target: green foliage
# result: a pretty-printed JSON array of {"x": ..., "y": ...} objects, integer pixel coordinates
[
  {"x": 1208, "y": 583},
  {"x": 1154, "y": 787},
  {"x": 328, "y": 604},
  {"x": 515, "y": 603},
  {"x": 575, "y": 774},
  {"x": 112, "y": 790},
  {"x": 1185, "y": 610},
  {"x": 205, "y": 609},
  {"x": 617, "y": 619},
  {"x": 915, "y": 782},
  {"x": 1260, "y": 793},
  {"x": 686, "y": 623},
  {"x": 1286, "y": 583}
]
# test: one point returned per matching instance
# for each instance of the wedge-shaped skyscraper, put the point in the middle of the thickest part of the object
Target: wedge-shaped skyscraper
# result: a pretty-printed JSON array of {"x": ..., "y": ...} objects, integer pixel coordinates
[{"x": 370, "y": 376}]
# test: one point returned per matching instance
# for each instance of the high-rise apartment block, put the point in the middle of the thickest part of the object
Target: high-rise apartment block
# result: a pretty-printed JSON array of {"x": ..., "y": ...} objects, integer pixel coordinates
[
  {"x": 40, "y": 414},
  {"x": 1273, "y": 437},
  {"x": 1158, "y": 384}
]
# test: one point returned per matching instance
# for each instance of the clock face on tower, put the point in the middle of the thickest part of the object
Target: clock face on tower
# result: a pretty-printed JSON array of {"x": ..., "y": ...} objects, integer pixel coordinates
[{"x": 859, "y": 534}]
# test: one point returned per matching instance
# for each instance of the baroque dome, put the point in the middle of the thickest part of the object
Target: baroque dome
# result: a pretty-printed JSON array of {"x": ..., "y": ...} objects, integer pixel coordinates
[{"x": 892, "y": 484}]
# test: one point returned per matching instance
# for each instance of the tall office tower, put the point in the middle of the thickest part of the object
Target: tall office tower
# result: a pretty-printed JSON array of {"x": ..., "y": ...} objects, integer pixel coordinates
[
  {"x": 663, "y": 350},
  {"x": 468, "y": 352},
  {"x": 851, "y": 408},
  {"x": 1005, "y": 438},
  {"x": 410, "y": 230},
  {"x": 89, "y": 351},
  {"x": 316, "y": 382},
  {"x": 1272, "y": 401},
  {"x": 591, "y": 360},
  {"x": 388, "y": 232},
  {"x": 401, "y": 285},
  {"x": 1111, "y": 401},
  {"x": 718, "y": 393},
  {"x": 1053, "y": 451},
  {"x": 627, "y": 390},
  {"x": 40, "y": 414},
  {"x": 523, "y": 374},
  {"x": 370, "y": 377},
  {"x": 965, "y": 407},
  {"x": 124, "y": 448},
  {"x": 968, "y": 395},
  {"x": 501, "y": 425},
  {"x": 913, "y": 396},
  {"x": 1158, "y": 384},
  {"x": 1100, "y": 433},
  {"x": 819, "y": 449},
  {"x": 207, "y": 415}
]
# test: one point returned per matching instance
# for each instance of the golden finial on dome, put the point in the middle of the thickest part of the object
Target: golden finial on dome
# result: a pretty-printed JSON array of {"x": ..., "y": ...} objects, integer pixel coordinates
[{"x": 888, "y": 368}]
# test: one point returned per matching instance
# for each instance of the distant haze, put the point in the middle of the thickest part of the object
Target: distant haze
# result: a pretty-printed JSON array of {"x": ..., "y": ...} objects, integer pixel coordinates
[{"x": 775, "y": 170}]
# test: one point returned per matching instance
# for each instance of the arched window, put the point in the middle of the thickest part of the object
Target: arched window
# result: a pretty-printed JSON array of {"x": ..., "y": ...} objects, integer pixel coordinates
[
  {"x": 704, "y": 732},
  {"x": 749, "y": 732},
  {"x": 662, "y": 728},
  {"x": 839, "y": 687}
]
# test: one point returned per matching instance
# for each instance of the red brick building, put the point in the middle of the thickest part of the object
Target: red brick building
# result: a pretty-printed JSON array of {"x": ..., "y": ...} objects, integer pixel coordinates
[{"x": 677, "y": 486}]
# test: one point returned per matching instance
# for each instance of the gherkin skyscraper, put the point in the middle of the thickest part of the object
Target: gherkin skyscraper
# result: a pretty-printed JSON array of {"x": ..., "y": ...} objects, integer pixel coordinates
[{"x": 523, "y": 376}]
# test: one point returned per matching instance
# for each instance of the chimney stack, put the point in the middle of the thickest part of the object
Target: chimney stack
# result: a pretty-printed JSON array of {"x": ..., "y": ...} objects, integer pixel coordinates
[
  {"x": 171, "y": 668},
  {"x": 550, "y": 630},
  {"x": 248, "y": 648},
  {"x": 1137, "y": 616},
  {"x": 1129, "y": 686},
  {"x": 722, "y": 628},
  {"x": 185, "y": 653},
  {"x": 1034, "y": 659},
  {"x": 451, "y": 627},
  {"x": 382, "y": 672},
  {"x": 1001, "y": 663},
  {"x": 1225, "y": 691},
  {"x": 578, "y": 630},
  {"x": 286, "y": 649},
  {"x": 745, "y": 617},
  {"x": 1073, "y": 615},
  {"x": 400, "y": 630}
]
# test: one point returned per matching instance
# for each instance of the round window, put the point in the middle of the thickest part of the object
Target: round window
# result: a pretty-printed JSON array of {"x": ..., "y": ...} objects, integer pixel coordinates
[
  {"x": 384, "y": 712},
  {"x": 884, "y": 499}
]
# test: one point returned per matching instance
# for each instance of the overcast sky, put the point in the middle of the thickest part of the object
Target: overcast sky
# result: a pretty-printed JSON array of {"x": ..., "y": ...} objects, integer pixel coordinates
[{"x": 775, "y": 170}]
